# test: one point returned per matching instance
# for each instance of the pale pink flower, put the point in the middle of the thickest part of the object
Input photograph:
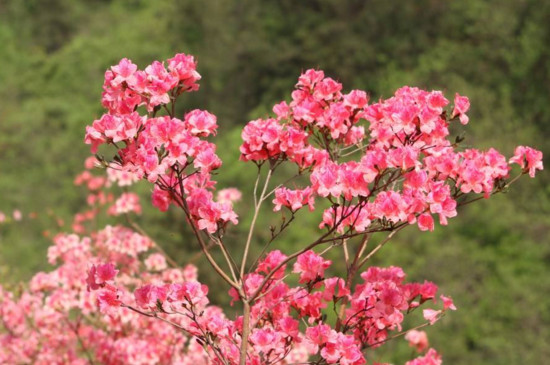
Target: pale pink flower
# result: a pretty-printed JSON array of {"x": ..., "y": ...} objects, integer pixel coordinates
[
  {"x": 447, "y": 303},
  {"x": 431, "y": 358},
  {"x": 228, "y": 195},
  {"x": 462, "y": 105},
  {"x": 528, "y": 158},
  {"x": 17, "y": 215},
  {"x": 431, "y": 315},
  {"x": 417, "y": 339},
  {"x": 155, "y": 262}
]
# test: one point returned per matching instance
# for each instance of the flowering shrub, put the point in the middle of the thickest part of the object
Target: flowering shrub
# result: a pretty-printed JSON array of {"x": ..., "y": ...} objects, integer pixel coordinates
[{"x": 371, "y": 169}]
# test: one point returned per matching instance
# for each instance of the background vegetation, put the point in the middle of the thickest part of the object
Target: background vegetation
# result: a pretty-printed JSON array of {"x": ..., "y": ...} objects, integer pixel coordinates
[{"x": 494, "y": 258}]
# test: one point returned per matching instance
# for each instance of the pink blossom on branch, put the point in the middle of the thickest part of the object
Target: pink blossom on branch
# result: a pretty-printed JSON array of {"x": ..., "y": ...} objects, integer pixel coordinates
[
  {"x": 528, "y": 158},
  {"x": 431, "y": 358},
  {"x": 418, "y": 340},
  {"x": 99, "y": 275},
  {"x": 462, "y": 105}
]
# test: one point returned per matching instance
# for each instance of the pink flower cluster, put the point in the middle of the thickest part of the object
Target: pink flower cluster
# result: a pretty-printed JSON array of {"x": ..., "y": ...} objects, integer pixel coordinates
[
  {"x": 126, "y": 87},
  {"x": 126, "y": 203},
  {"x": 54, "y": 320},
  {"x": 318, "y": 109},
  {"x": 293, "y": 199},
  {"x": 418, "y": 340},
  {"x": 431, "y": 358},
  {"x": 374, "y": 308},
  {"x": 399, "y": 167},
  {"x": 171, "y": 153}
]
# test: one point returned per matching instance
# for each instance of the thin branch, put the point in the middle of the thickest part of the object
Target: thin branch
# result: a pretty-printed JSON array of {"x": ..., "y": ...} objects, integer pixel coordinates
[
  {"x": 298, "y": 253},
  {"x": 283, "y": 226},
  {"x": 351, "y": 271},
  {"x": 399, "y": 334},
  {"x": 155, "y": 315},
  {"x": 183, "y": 204},
  {"x": 231, "y": 263},
  {"x": 381, "y": 244},
  {"x": 258, "y": 204}
]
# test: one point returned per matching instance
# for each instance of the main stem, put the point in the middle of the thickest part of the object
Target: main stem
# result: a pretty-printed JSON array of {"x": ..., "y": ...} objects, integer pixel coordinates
[{"x": 246, "y": 331}]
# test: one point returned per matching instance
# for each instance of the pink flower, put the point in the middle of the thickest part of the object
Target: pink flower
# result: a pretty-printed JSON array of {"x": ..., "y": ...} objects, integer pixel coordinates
[
  {"x": 228, "y": 195},
  {"x": 155, "y": 262},
  {"x": 293, "y": 199},
  {"x": 201, "y": 123},
  {"x": 327, "y": 89},
  {"x": 342, "y": 349},
  {"x": 99, "y": 275},
  {"x": 126, "y": 203},
  {"x": 391, "y": 206},
  {"x": 431, "y": 358},
  {"x": 426, "y": 222},
  {"x": 184, "y": 68},
  {"x": 436, "y": 101},
  {"x": 282, "y": 110},
  {"x": 356, "y": 99},
  {"x": 447, "y": 303},
  {"x": 528, "y": 158},
  {"x": 190, "y": 272},
  {"x": 417, "y": 339},
  {"x": 318, "y": 334},
  {"x": 261, "y": 140},
  {"x": 431, "y": 315},
  {"x": 416, "y": 179},
  {"x": 108, "y": 298},
  {"x": 113, "y": 128},
  {"x": 191, "y": 292},
  {"x": 265, "y": 340},
  {"x": 270, "y": 262},
  {"x": 403, "y": 157},
  {"x": 161, "y": 199},
  {"x": 122, "y": 175},
  {"x": 310, "y": 266},
  {"x": 105, "y": 272},
  {"x": 354, "y": 217},
  {"x": 123, "y": 71},
  {"x": 207, "y": 160},
  {"x": 149, "y": 296},
  {"x": 427, "y": 290},
  {"x": 309, "y": 78},
  {"x": 17, "y": 215},
  {"x": 325, "y": 180},
  {"x": 160, "y": 81},
  {"x": 335, "y": 288},
  {"x": 462, "y": 105}
]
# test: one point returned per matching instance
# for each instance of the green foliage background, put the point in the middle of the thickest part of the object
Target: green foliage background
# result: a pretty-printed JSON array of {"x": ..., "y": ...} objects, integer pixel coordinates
[{"x": 494, "y": 259}]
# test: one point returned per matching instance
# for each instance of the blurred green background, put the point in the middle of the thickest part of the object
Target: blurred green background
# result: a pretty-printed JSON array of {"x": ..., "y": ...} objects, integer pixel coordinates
[{"x": 494, "y": 259}]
